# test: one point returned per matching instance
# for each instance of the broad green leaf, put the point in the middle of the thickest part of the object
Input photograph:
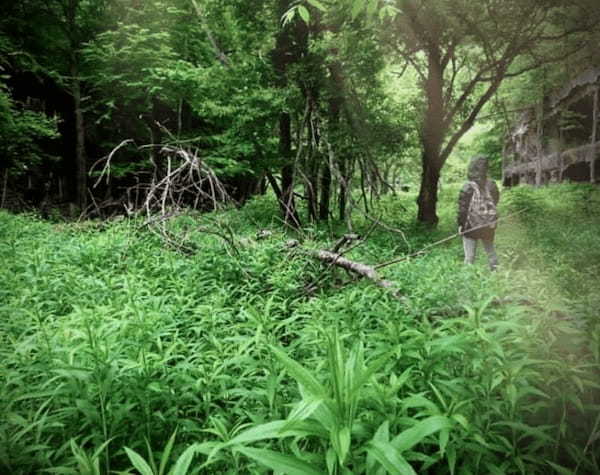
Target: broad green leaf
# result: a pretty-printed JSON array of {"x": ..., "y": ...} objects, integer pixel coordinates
[
  {"x": 331, "y": 459},
  {"x": 383, "y": 432},
  {"x": 371, "y": 370},
  {"x": 269, "y": 430},
  {"x": 167, "y": 453},
  {"x": 462, "y": 420},
  {"x": 493, "y": 469},
  {"x": 99, "y": 450},
  {"x": 411, "y": 437},
  {"x": 318, "y": 5},
  {"x": 138, "y": 462},
  {"x": 303, "y": 410},
  {"x": 536, "y": 432},
  {"x": 451, "y": 457},
  {"x": 183, "y": 462},
  {"x": 389, "y": 457},
  {"x": 82, "y": 459},
  {"x": 288, "y": 16},
  {"x": 275, "y": 430},
  {"x": 559, "y": 469},
  {"x": 357, "y": 7},
  {"x": 304, "y": 14},
  {"x": 300, "y": 374},
  {"x": 404, "y": 377},
  {"x": 280, "y": 462},
  {"x": 443, "y": 440},
  {"x": 325, "y": 414},
  {"x": 342, "y": 437},
  {"x": 418, "y": 400},
  {"x": 62, "y": 470}
]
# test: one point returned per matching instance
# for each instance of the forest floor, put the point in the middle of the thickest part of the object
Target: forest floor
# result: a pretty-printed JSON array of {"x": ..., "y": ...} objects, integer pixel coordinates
[{"x": 251, "y": 355}]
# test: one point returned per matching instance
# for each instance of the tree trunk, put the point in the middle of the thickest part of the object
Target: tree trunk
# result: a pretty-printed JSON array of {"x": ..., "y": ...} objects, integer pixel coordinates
[
  {"x": 287, "y": 203},
  {"x": 311, "y": 168},
  {"x": 593, "y": 148},
  {"x": 336, "y": 101},
  {"x": 343, "y": 198},
  {"x": 4, "y": 186},
  {"x": 428, "y": 194},
  {"x": 325, "y": 192},
  {"x": 432, "y": 138},
  {"x": 80, "y": 157}
]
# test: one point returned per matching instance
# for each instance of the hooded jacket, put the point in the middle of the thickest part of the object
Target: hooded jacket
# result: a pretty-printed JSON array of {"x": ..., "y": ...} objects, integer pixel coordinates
[{"x": 477, "y": 172}]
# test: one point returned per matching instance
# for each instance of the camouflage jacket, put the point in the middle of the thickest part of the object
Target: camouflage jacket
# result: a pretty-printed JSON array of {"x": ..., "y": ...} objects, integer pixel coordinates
[{"x": 464, "y": 200}]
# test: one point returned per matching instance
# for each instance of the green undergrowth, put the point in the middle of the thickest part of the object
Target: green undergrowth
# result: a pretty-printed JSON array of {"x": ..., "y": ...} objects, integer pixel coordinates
[{"x": 119, "y": 355}]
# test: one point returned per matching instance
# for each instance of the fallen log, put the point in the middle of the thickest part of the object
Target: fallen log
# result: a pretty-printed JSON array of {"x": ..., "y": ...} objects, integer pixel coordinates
[{"x": 335, "y": 259}]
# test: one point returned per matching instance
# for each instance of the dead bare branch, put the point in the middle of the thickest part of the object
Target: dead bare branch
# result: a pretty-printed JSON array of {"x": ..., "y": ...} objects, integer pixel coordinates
[{"x": 336, "y": 259}]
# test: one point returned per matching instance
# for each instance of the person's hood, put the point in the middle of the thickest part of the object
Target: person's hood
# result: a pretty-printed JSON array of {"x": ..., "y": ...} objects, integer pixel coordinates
[{"x": 478, "y": 168}]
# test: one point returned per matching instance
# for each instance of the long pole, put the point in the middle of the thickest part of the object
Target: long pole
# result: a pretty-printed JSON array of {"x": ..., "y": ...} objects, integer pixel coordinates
[{"x": 441, "y": 241}]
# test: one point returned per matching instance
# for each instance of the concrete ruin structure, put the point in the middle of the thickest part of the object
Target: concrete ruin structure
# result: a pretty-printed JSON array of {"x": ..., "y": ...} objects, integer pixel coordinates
[{"x": 557, "y": 140}]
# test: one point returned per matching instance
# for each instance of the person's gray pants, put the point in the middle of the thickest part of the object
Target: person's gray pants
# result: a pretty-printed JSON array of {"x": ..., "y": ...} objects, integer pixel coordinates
[{"x": 470, "y": 246}]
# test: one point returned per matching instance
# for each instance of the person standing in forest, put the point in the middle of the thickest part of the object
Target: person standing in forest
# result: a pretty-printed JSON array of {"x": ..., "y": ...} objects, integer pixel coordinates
[{"x": 477, "y": 213}]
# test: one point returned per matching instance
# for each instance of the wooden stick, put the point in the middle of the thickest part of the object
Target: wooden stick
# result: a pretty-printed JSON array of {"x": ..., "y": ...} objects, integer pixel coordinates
[{"x": 335, "y": 259}]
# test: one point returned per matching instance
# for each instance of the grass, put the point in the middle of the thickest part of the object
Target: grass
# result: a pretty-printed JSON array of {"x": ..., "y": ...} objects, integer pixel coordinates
[{"x": 121, "y": 356}]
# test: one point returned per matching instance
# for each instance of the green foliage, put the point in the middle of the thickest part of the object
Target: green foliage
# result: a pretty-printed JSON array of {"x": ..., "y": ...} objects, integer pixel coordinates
[
  {"x": 112, "y": 345},
  {"x": 485, "y": 139},
  {"x": 180, "y": 466},
  {"x": 125, "y": 61},
  {"x": 155, "y": 78},
  {"x": 22, "y": 133}
]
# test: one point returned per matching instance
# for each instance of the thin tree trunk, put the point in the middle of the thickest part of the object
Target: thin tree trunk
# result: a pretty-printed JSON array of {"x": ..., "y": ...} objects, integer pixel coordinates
[
  {"x": 287, "y": 202},
  {"x": 312, "y": 167},
  {"x": 4, "y": 186},
  {"x": 179, "y": 117},
  {"x": 325, "y": 192},
  {"x": 540, "y": 146},
  {"x": 80, "y": 157},
  {"x": 336, "y": 100},
  {"x": 593, "y": 148},
  {"x": 343, "y": 198}
]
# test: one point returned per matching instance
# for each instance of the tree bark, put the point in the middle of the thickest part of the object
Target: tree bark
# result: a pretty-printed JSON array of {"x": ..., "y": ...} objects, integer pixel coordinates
[
  {"x": 311, "y": 169},
  {"x": 432, "y": 137},
  {"x": 343, "y": 196},
  {"x": 335, "y": 259},
  {"x": 325, "y": 192},
  {"x": 593, "y": 148},
  {"x": 4, "y": 186},
  {"x": 287, "y": 203},
  {"x": 336, "y": 101},
  {"x": 80, "y": 156},
  {"x": 428, "y": 194}
]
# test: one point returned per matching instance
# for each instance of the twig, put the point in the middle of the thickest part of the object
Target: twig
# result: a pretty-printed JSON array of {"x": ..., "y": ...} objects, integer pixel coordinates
[
  {"x": 335, "y": 259},
  {"x": 106, "y": 168}
]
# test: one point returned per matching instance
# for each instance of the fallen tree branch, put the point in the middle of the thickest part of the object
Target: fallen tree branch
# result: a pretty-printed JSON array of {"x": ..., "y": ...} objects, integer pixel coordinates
[
  {"x": 338, "y": 260},
  {"x": 345, "y": 239}
]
